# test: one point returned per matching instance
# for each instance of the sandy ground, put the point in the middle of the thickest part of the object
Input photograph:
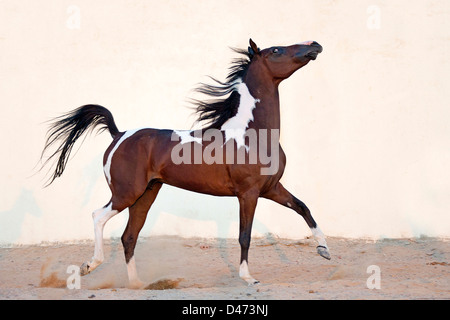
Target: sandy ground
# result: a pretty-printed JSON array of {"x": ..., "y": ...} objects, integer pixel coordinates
[{"x": 195, "y": 269}]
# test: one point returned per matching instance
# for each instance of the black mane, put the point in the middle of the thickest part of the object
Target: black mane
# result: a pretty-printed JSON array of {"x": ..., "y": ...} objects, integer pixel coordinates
[{"x": 217, "y": 111}]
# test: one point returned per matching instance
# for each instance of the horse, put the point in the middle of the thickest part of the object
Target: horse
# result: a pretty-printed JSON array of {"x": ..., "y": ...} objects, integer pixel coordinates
[{"x": 243, "y": 112}]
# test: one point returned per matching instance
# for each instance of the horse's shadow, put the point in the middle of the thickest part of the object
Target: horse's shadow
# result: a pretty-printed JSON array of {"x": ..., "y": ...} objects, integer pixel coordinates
[
  {"x": 224, "y": 212},
  {"x": 11, "y": 220}
]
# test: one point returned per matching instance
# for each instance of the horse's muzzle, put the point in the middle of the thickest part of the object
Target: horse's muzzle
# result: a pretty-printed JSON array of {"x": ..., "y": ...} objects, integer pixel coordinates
[
  {"x": 312, "y": 55},
  {"x": 309, "y": 49},
  {"x": 315, "y": 50}
]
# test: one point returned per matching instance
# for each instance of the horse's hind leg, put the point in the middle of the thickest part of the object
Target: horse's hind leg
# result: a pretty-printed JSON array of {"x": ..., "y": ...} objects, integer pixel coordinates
[
  {"x": 100, "y": 217},
  {"x": 280, "y": 195},
  {"x": 138, "y": 213}
]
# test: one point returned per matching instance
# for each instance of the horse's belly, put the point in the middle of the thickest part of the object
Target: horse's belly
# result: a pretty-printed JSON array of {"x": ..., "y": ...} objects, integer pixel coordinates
[{"x": 209, "y": 179}]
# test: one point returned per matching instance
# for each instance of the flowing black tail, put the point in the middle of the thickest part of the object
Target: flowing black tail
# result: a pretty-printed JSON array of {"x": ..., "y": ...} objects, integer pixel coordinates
[{"x": 69, "y": 127}]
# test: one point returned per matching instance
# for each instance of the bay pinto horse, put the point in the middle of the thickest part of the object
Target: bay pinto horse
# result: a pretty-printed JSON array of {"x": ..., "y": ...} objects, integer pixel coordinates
[{"x": 138, "y": 162}]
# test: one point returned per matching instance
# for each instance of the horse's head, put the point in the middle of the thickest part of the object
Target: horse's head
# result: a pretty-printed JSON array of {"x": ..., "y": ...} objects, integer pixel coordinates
[{"x": 281, "y": 62}]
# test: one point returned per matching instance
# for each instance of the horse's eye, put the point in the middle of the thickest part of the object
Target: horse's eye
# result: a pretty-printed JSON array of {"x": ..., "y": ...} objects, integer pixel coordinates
[{"x": 275, "y": 50}]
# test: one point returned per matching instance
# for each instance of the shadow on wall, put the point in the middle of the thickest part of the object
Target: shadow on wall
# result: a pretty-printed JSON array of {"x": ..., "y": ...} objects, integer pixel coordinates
[
  {"x": 221, "y": 214},
  {"x": 194, "y": 210},
  {"x": 182, "y": 213},
  {"x": 11, "y": 221},
  {"x": 175, "y": 212}
]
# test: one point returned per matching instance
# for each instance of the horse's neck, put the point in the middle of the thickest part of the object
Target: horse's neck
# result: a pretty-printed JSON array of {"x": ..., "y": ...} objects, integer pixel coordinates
[{"x": 266, "y": 114}]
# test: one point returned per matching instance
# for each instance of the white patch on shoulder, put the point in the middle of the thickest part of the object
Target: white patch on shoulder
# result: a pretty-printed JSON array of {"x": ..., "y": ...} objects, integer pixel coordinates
[
  {"x": 107, "y": 167},
  {"x": 236, "y": 126},
  {"x": 186, "y": 137}
]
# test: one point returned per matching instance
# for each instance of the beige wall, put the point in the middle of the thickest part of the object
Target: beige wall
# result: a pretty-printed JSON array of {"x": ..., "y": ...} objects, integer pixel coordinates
[{"x": 365, "y": 127}]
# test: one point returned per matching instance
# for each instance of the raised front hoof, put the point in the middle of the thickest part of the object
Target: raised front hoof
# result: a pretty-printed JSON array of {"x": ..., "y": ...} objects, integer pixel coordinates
[
  {"x": 85, "y": 269},
  {"x": 323, "y": 251}
]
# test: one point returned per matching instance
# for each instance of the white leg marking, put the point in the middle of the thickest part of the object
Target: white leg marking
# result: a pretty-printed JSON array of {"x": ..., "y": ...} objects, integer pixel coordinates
[
  {"x": 133, "y": 278},
  {"x": 322, "y": 248},
  {"x": 100, "y": 217},
  {"x": 107, "y": 167},
  {"x": 245, "y": 274},
  {"x": 319, "y": 236}
]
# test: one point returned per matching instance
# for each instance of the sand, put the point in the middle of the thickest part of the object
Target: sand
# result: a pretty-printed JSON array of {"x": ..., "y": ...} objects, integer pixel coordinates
[{"x": 199, "y": 269}]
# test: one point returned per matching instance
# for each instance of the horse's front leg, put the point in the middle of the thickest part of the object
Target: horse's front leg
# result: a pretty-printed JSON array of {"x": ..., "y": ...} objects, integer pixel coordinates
[
  {"x": 247, "y": 206},
  {"x": 280, "y": 195}
]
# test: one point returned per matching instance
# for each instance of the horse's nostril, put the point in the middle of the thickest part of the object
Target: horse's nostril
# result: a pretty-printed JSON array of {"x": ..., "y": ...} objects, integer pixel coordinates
[{"x": 318, "y": 46}]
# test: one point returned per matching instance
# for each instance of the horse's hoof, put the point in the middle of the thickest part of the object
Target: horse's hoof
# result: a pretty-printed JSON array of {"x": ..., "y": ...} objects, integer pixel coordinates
[
  {"x": 84, "y": 269},
  {"x": 253, "y": 283},
  {"x": 136, "y": 284},
  {"x": 323, "y": 251}
]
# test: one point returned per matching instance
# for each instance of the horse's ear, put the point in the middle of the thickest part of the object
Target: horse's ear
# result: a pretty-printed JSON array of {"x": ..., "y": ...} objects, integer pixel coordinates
[{"x": 253, "y": 48}]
